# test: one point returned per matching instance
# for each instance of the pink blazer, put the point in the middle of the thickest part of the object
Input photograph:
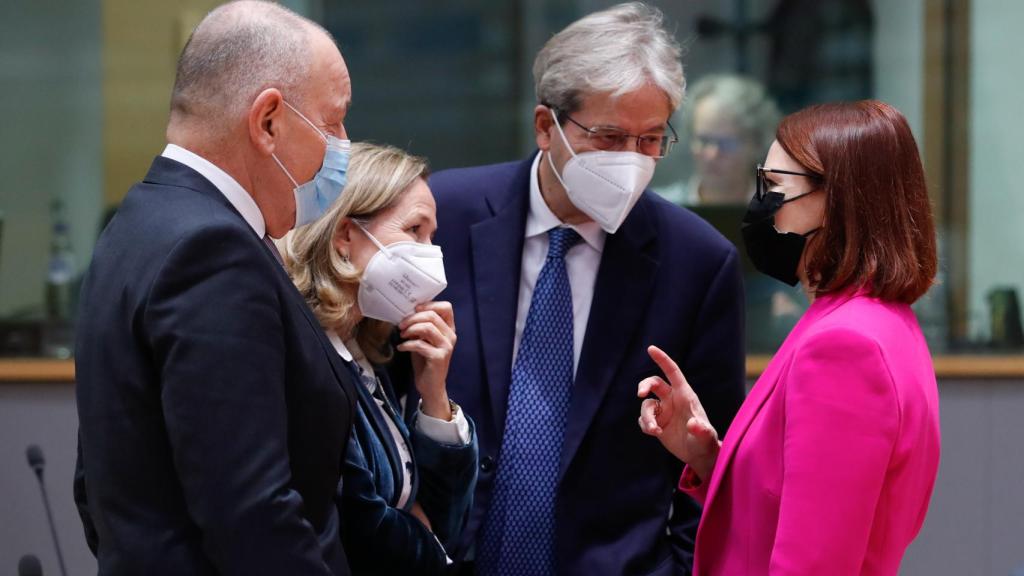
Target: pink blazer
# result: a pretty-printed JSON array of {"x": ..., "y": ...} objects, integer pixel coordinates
[{"x": 829, "y": 465}]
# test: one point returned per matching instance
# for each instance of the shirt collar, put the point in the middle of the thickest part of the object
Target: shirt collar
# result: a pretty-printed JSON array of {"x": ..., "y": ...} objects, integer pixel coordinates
[
  {"x": 351, "y": 353},
  {"x": 223, "y": 181},
  {"x": 339, "y": 345},
  {"x": 541, "y": 219}
]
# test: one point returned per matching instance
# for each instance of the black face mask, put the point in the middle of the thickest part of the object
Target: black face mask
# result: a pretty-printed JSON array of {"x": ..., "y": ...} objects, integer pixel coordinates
[{"x": 776, "y": 254}]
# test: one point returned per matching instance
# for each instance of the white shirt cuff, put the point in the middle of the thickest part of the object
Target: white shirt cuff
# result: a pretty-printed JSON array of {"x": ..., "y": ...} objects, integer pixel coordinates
[{"x": 455, "y": 432}]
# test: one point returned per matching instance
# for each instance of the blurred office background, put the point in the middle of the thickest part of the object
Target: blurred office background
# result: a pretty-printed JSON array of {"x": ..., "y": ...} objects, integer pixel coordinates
[{"x": 85, "y": 91}]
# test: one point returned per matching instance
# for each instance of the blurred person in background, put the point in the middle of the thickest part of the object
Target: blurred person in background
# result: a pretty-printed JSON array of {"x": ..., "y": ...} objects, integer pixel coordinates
[{"x": 731, "y": 122}]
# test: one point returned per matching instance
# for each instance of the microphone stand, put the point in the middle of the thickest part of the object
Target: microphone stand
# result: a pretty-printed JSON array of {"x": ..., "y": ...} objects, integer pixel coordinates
[{"x": 36, "y": 461}]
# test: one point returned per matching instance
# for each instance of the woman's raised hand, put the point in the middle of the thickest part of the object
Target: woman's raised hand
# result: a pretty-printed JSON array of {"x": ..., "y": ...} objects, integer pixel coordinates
[
  {"x": 676, "y": 416},
  {"x": 429, "y": 335}
]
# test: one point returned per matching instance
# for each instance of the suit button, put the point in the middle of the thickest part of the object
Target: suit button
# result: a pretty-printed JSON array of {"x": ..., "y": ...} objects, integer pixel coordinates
[{"x": 486, "y": 464}]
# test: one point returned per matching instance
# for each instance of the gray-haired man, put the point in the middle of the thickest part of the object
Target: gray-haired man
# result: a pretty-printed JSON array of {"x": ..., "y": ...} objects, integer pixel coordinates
[{"x": 562, "y": 269}]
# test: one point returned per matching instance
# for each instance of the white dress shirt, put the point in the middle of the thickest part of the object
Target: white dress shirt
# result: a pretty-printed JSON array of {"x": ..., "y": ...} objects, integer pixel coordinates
[
  {"x": 223, "y": 181},
  {"x": 581, "y": 263}
]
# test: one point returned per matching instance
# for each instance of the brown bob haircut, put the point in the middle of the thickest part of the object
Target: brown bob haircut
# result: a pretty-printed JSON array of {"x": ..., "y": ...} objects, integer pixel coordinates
[{"x": 878, "y": 234}]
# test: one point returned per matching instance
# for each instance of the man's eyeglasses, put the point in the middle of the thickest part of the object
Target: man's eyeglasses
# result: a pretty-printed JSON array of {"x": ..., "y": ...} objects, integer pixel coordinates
[
  {"x": 724, "y": 144},
  {"x": 608, "y": 138},
  {"x": 762, "y": 182}
]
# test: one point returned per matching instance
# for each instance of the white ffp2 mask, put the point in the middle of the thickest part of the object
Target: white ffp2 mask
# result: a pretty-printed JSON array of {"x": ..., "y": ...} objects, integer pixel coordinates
[
  {"x": 604, "y": 185},
  {"x": 398, "y": 278}
]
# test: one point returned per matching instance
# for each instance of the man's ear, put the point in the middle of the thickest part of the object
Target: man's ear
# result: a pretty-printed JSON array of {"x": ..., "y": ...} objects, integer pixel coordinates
[
  {"x": 264, "y": 120},
  {"x": 543, "y": 124}
]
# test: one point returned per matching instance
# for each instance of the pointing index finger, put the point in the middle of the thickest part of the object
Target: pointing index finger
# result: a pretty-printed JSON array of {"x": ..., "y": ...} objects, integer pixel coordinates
[{"x": 668, "y": 366}]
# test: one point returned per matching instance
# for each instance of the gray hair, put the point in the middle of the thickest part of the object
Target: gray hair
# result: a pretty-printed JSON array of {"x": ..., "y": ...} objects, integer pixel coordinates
[
  {"x": 746, "y": 101},
  {"x": 238, "y": 50},
  {"x": 617, "y": 51}
]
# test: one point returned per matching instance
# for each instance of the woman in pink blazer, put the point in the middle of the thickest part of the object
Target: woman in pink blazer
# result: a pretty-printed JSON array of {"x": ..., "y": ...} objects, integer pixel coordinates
[{"x": 829, "y": 465}]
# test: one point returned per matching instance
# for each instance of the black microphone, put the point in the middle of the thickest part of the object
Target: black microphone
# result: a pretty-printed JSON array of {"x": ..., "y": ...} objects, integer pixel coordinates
[
  {"x": 35, "y": 459},
  {"x": 37, "y": 462},
  {"x": 29, "y": 566}
]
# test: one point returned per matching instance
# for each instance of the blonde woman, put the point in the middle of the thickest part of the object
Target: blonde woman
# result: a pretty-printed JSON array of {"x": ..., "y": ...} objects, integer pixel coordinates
[{"x": 367, "y": 268}]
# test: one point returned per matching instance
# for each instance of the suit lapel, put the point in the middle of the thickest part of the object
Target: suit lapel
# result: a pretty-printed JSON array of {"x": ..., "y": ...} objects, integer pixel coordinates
[
  {"x": 346, "y": 380},
  {"x": 376, "y": 417},
  {"x": 166, "y": 171},
  {"x": 765, "y": 386},
  {"x": 762, "y": 390},
  {"x": 497, "y": 248},
  {"x": 624, "y": 281}
]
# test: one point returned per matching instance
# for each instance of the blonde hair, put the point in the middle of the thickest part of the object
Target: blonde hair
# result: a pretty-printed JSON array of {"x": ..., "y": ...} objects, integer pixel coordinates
[{"x": 377, "y": 177}]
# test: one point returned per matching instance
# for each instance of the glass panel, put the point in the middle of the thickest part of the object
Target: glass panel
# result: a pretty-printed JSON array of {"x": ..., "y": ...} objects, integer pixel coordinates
[
  {"x": 452, "y": 81},
  {"x": 438, "y": 79},
  {"x": 50, "y": 156}
]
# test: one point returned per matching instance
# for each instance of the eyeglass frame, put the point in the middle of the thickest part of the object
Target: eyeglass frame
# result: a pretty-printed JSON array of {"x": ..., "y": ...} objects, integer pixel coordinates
[
  {"x": 725, "y": 144},
  {"x": 667, "y": 141},
  {"x": 761, "y": 183}
]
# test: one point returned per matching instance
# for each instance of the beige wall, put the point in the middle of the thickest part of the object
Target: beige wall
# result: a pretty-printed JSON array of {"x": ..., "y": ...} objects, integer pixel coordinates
[{"x": 138, "y": 72}]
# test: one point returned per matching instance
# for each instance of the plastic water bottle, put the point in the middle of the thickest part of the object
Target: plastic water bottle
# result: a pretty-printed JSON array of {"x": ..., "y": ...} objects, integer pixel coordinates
[{"x": 60, "y": 281}]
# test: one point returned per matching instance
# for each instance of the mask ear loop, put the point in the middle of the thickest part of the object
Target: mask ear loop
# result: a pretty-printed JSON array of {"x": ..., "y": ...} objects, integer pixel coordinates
[
  {"x": 567, "y": 145},
  {"x": 301, "y": 115},
  {"x": 376, "y": 242},
  {"x": 797, "y": 197},
  {"x": 285, "y": 170},
  {"x": 561, "y": 132},
  {"x": 311, "y": 125}
]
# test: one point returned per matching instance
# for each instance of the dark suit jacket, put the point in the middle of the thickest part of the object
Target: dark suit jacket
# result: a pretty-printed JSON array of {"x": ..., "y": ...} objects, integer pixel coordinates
[
  {"x": 380, "y": 537},
  {"x": 665, "y": 278},
  {"x": 214, "y": 413}
]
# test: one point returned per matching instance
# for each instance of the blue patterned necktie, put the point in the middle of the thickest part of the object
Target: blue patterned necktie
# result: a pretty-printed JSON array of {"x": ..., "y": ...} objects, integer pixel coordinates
[{"x": 518, "y": 537}]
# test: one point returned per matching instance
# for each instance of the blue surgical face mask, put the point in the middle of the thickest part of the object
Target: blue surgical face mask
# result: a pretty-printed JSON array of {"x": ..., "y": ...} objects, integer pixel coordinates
[{"x": 314, "y": 198}]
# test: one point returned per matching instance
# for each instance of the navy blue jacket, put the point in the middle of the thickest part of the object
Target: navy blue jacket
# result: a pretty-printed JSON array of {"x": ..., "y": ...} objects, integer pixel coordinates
[
  {"x": 380, "y": 537},
  {"x": 665, "y": 278},
  {"x": 214, "y": 412}
]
